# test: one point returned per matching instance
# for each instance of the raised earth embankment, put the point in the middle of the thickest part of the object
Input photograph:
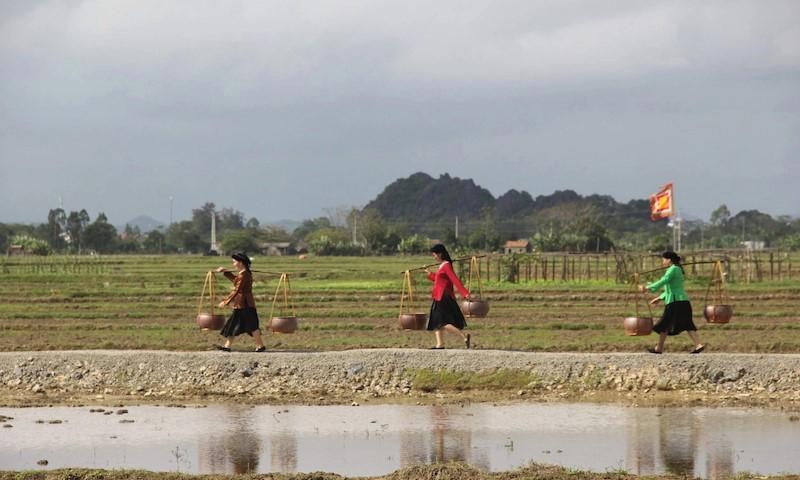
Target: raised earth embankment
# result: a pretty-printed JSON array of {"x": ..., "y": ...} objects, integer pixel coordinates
[{"x": 394, "y": 376}]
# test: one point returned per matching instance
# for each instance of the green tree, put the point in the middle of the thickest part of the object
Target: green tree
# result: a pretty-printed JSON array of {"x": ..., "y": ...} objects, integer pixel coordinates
[
  {"x": 154, "y": 242},
  {"x": 240, "y": 241},
  {"x": 274, "y": 233},
  {"x": 182, "y": 237},
  {"x": 376, "y": 234},
  {"x": 332, "y": 241},
  {"x": 306, "y": 228},
  {"x": 415, "y": 244},
  {"x": 130, "y": 241},
  {"x": 229, "y": 219},
  {"x": 57, "y": 225},
  {"x": 201, "y": 220},
  {"x": 76, "y": 225},
  {"x": 720, "y": 216},
  {"x": 32, "y": 245},
  {"x": 100, "y": 235}
]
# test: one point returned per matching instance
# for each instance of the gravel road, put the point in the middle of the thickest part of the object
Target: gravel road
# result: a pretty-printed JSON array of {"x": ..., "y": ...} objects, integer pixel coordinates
[{"x": 388, "y": 376}]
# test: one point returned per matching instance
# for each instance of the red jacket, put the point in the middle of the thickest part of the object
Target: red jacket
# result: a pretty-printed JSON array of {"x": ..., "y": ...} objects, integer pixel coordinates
[{"x": 443, "y": 281}]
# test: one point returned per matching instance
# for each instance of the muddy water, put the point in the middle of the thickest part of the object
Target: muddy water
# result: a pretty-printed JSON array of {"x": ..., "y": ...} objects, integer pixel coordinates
[{"x": 376, "y": 440}]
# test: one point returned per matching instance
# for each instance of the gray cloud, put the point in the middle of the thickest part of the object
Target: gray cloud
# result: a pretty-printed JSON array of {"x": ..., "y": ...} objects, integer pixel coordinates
[{"x": 283, "y": 109}]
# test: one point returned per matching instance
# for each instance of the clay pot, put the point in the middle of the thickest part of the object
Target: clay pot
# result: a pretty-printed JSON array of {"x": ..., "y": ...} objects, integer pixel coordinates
[
  {"x": 413, "y": 321},
  {"x": 475, "y": 307},
  {"x": 210, "y": 321},
  {"x": 638, "y": 325},
  {"x": 718, "y": 313},
  {"x": 283, "y": 324}
]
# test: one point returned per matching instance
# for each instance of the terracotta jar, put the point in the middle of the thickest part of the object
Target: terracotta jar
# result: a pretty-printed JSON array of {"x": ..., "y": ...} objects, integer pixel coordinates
[
  {"x": 413, "y": 321},
  {"x": 283, "y": 324},
  {"x": 475, "y": 308},
  {"x": 638, "y": 325},
  {"x": 210, "y": 321},
  {"x": 718, "y": 313}
]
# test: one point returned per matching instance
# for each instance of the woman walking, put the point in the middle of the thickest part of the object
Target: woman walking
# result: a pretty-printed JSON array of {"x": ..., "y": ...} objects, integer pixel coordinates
[
  {"x": 677, "y": 316},
  {"x": 445, "y": 312},
  {"x": 244, "y": 318}
]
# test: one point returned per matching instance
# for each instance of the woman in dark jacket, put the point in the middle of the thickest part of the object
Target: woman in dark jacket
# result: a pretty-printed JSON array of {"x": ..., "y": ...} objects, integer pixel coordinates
[
  {"x": 445, "y": 312},
  {"x": 244, "y": 318}
]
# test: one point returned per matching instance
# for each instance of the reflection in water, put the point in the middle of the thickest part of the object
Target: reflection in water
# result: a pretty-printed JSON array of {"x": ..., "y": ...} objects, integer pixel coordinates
[
  {"x": 449, "y": 439},
  {"x": 236, "y": 448},
  {"x": 678, "y": 440},
  {"x": 640, "y": 457},
  {"x": 283, "y": 452},
  {"x": 669, "y": 439},
  {"x": 377, "y": 440},
  {"x": 719, "y": 461}
]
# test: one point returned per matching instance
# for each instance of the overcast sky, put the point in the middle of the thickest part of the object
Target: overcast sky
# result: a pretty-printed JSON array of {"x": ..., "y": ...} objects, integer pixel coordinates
[{"x": 290, "y": 109}]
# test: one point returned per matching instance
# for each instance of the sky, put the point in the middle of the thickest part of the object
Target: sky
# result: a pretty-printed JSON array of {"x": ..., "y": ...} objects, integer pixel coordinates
[{"x": 290, "y": 110}]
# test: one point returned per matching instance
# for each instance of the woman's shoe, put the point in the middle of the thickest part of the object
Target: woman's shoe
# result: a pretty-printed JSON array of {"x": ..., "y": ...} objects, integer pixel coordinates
[
  {"x": 260, "y": 349},
  {"x": 436, "y": 348},
  {"x": 698, "y": 349},
  {"x": 467, "y": 341},
  {"x": 653, "y": 350},
  {"x": 221, "y": 348}
]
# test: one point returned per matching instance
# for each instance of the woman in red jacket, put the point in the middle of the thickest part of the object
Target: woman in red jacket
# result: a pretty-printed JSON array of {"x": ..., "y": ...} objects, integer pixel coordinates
[{"x": 445, "y": 312}]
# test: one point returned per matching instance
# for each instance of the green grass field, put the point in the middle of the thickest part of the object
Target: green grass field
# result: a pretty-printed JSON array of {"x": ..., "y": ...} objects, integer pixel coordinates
[{"x": 150, "y": 302}]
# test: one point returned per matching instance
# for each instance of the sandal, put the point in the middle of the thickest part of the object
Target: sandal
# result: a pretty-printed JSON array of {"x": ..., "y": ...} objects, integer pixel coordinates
[
  {"x": 436, "y": 348},
  {"x": 653, "y": 350},
  {"x": 698, "y": 349},
  {"x": 260, "y": 349},
  {"x": 221, "y": 348}
]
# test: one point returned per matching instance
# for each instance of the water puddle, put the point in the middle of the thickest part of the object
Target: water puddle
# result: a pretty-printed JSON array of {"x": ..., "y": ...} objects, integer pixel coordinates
[{"x": 376, "y": 440}]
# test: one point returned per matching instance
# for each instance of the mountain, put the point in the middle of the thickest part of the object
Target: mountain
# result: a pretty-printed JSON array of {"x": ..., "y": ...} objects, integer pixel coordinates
[
  {"x": 421, "y": 198},
  {"x": 421, "y": 202}
]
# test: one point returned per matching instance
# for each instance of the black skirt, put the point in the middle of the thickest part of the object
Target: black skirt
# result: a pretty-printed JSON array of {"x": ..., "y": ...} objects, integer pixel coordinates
[
  {"x": 242, "y": 320},
  {"x": 677, "y": 318},
  {"x": 445, "y": 312}
]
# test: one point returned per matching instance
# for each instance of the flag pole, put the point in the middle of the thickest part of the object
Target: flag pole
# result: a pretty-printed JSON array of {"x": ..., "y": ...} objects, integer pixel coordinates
[{"x": 676, "y": 223}]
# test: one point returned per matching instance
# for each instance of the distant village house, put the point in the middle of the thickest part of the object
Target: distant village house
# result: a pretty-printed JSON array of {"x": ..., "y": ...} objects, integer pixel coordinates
[
  {"x": 517, "y": 246},
  {"x": 14, "y": 250}
]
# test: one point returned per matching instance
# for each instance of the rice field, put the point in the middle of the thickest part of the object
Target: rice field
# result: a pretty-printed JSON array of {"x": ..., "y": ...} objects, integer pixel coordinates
[{"x": 151, "y": 302}]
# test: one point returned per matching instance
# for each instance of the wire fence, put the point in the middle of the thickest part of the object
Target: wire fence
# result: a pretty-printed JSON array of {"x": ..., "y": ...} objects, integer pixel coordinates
[{"x": 738, "y": 266}]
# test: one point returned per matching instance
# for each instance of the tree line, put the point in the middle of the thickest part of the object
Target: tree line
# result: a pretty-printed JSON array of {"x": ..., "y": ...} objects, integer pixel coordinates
[{"x": 411, "y": 213}]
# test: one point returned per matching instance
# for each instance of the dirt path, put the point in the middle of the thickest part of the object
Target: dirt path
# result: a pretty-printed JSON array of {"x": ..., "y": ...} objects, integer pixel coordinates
[{"x": 390, "y": 376}]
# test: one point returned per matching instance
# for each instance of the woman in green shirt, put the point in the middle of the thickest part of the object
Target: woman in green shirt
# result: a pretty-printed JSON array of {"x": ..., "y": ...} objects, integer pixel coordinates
[{"x": 677, "y": 316}]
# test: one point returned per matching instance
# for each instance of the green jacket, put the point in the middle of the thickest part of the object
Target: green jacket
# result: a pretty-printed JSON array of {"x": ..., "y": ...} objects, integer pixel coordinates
[{"x": 672, "y": 281}]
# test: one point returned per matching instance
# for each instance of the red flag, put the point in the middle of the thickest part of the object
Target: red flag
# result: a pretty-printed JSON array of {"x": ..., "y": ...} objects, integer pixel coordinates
[{"x": 661, "y": 203}]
